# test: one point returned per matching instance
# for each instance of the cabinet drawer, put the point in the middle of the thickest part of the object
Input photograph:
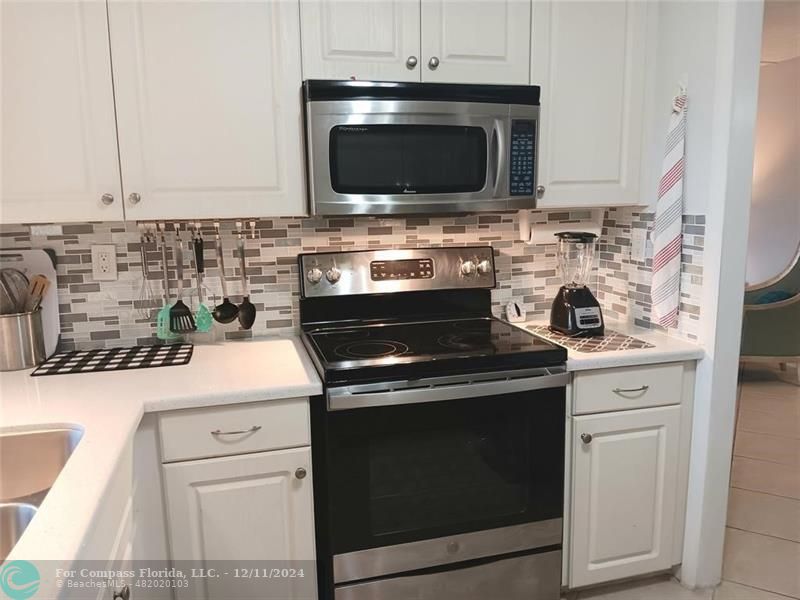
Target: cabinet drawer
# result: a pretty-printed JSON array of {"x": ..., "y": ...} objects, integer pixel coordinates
[
  {"x": 627, "y": 388},
  {"x": 220, "y": 431}
]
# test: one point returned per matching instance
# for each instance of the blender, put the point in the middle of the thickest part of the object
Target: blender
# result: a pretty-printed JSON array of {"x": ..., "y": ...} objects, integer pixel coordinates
[{"x": 575, "y": 310}]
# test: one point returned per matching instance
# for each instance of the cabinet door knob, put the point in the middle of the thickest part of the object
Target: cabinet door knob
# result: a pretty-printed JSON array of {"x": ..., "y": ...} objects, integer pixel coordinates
[
  {"x": 411, "y": 62},
  {"x": 540, "y": 189},
  {"x": 134, "y": 198},
  {"x": 123, "y": 594},
  {"x": 107, "y": 199},
  {"x": 586, "y": 438},
  {"x": 300, "y": 473},
  {"x": 433, "y": 63}
]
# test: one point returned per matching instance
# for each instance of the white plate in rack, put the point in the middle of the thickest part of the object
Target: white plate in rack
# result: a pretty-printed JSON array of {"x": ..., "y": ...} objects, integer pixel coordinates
[{"x": 36, "y": 262}]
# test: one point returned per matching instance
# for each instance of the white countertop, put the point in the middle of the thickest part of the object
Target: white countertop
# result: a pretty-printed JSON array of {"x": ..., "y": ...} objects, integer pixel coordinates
[
  {"x": 666, "y": 348},
  {"x": 109, "y": 406}
]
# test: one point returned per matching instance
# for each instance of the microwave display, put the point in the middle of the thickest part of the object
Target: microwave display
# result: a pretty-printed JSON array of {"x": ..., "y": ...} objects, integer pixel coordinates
[{"x": 523, "y": 134}]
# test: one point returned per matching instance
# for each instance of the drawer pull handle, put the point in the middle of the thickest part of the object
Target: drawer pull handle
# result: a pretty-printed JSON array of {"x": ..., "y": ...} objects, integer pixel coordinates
[
  {"x": 643, "y": 388},
  {"x": 237, "y": 432},
  {"x": 586, "y": 438}
]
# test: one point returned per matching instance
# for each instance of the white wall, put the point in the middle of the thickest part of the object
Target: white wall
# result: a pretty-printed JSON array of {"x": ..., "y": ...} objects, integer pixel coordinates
[
  {"x": 687, "y": 37},
  {"x": 775, "y": 213}
]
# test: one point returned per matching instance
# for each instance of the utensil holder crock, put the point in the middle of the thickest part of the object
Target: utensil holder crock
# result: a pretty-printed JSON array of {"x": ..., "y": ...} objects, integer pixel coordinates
[{"x": 21, "y": 341}]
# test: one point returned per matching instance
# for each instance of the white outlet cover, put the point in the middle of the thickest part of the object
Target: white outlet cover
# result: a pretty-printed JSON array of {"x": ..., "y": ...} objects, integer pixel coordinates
[{"x": 104, "y": 262}]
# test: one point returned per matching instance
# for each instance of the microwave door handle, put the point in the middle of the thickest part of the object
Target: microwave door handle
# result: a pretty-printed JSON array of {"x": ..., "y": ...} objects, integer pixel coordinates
[{"x": 498, "y": 135}]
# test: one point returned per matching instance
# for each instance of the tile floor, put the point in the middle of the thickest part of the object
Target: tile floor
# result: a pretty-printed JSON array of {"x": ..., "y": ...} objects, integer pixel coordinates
[{"x": 762, "y": 545}]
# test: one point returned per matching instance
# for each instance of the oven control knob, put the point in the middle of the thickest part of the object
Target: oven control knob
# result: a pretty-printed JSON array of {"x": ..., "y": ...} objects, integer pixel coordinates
[
  {"x": 333, "y": 275},
  {"x": 484, "y": 267},
  {"x": 314, "y": 275},
  {"x": 467, "y": 268}
]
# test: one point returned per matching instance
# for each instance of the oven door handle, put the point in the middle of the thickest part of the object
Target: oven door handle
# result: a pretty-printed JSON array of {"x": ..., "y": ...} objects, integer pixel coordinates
[
  {"x": 498, "y": 139},
  {"x": 349, "y": 397}
]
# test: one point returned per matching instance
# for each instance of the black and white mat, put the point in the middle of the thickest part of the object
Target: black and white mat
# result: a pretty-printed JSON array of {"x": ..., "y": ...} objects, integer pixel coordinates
[
  {"x": 611, "y": 341},
  {"x": 115, "y": 359}
]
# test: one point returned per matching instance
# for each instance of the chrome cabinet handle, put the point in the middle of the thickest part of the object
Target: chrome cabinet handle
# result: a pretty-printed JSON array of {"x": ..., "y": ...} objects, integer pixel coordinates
[
  {"x": 586, "y": 438},
  {"x": 300, "y": 473},
  {"x": 123, "y": 594},
  {"x": 134, "y": 198},
  {"x": 107, "y": 199},
  {"x": 642, "y": 388},
  {"x": 236, "y": 432},
  {"x": 411, "y": 63},
  {"x": 433, "y": 63},
  {"x": 540, "y": 189}
]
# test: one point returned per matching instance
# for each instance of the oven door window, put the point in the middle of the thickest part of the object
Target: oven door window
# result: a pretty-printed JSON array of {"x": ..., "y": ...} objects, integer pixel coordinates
[
  {"x": 404, "y": 473},
  {"x": 407, "y": 159}
]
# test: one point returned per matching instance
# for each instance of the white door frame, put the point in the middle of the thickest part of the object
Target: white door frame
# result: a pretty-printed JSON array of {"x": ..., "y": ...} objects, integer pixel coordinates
[{"x": 730, "y": 165}]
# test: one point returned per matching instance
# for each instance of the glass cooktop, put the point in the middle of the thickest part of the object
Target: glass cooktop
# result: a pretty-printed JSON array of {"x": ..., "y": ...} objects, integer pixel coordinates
[{"x": 429, "y": 341}]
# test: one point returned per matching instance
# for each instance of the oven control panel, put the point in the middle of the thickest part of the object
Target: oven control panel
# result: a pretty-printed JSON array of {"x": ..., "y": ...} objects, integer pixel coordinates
[
  {"x": 523, "y": 136},
  {"x": 421, "y": 268},
  {"x": 386, "y": 271}
]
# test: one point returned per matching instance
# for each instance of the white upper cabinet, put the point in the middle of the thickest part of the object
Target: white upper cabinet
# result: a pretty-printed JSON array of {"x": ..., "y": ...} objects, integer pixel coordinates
[
  {"x": 59, "y": 146},
  {"x": 456, "y": 41},
  {"x": 469, "y": 41},
  {"x": 209, "y": 108},
  {"x": 367, "y": 39},
  {"x": 625, "y": 474},
  {"x": 590, "y": 59}
]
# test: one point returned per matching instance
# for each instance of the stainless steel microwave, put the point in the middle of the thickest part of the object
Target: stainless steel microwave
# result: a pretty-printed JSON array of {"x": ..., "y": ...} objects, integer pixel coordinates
[{"x": 381, "y": 148}]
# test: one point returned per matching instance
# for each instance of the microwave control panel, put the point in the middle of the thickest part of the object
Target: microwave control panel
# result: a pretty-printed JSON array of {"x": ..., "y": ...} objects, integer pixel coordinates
[{"x": 523, "y": 134}]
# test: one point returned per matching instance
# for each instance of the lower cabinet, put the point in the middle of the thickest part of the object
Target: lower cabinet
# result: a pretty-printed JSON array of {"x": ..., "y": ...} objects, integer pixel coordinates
[
  {"x": 624, "y": 493},
  {"x": 249, "y": 510}
]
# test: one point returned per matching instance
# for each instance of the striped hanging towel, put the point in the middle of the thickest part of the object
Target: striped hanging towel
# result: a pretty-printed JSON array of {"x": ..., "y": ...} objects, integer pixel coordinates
[{"x": 667, "y": 237}]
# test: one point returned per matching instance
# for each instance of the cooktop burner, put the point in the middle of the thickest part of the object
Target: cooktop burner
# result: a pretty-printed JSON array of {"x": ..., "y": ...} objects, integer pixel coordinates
[{"x": 370, "y": 349}]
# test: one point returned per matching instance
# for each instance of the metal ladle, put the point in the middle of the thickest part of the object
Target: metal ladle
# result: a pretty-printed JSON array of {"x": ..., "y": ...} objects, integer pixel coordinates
[
  {"x": 247, "y": 310},
  {"x": 227, "y": 311}
]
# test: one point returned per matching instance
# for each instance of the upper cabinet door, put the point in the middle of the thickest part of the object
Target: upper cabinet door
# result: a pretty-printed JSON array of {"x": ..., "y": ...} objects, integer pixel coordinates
[
  {"x": 476, "y": 41},
  {"x": 59, "y": 148},
  {"x": 209, "y": 108},
  {"x": 590, "y": 59},
  {"x": 367, "y": 39}
]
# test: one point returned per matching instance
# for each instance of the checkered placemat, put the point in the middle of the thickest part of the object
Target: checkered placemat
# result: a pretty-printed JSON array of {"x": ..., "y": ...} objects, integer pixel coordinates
[
  {"x": 611, "y": 341},
  {"x": 115, "y": 359}
]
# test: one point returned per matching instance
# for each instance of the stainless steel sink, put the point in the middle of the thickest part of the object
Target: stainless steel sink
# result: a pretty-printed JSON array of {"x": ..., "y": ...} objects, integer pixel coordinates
[
  {"x": 14, "y": 518},
  {"x": 30, "y": 461}
]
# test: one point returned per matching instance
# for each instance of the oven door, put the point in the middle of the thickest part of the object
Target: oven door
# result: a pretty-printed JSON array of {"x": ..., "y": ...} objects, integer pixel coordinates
[
  {"x": 419, "y": 484},
  {"x": 402, "y": 157}
]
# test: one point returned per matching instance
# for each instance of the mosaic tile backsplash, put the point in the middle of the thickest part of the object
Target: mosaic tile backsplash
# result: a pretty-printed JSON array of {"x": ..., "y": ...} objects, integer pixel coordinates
[{"x": 101, "y": 314}]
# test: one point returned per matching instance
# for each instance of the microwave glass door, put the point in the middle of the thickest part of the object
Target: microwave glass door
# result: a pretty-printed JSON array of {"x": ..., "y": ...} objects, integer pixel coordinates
[
  {"x": 418, "y": 471},
  {"x": 407, "y": 159}
]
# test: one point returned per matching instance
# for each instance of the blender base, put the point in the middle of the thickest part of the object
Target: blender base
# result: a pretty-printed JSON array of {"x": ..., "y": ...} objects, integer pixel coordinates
[{"x": 576, "y": 312}]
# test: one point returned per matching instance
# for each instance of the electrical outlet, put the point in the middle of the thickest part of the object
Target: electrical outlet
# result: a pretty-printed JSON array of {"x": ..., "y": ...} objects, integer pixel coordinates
[{"x": 104, "y": 262}]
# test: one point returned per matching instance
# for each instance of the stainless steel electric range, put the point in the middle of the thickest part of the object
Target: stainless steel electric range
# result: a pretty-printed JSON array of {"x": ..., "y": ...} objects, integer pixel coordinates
[{"x": 438, "y": 444}]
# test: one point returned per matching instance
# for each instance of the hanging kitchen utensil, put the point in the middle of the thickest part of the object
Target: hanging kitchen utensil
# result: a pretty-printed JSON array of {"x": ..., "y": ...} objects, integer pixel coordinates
[
  {"x": 202, "y": 317},
  {"x": 180, "y": 315},
  {"x": 247, "y": 310},
  {"x": 162, "y": 318},
  {"x": 7, "y": 305},
  {"x": 147, "y": 299},
  {"x": 227, "y": 311}
]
